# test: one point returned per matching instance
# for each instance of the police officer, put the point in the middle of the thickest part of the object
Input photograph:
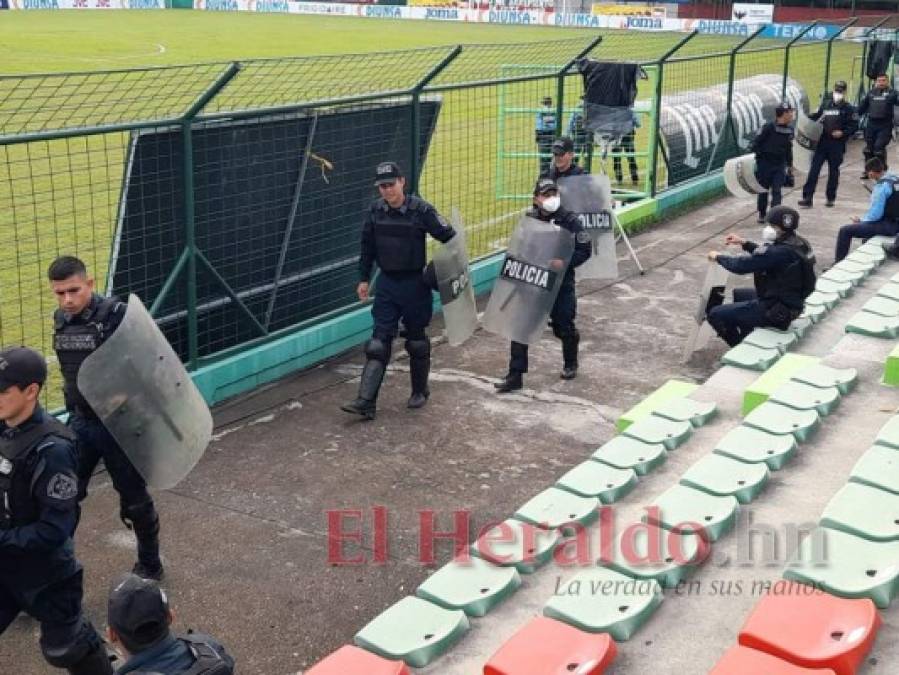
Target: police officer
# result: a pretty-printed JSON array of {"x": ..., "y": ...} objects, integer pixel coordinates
[
  {"x": 882, "y": 217},
  {"x": 563, "y": 164},
  {"x": 547, "y": 207},
  {"x": 773, "y": 148},
  {"x": 878, "y": 106},
  {"x": 82, "y": 323},
  {"x": 840, "y": 121},
  {"x": 393, "y": 235},
  {"x": 545, "y": 124},
  {"x": 783, "y": 267},
  {"x": 140, "y": 628},
  {"x": 39, "y": 574}
]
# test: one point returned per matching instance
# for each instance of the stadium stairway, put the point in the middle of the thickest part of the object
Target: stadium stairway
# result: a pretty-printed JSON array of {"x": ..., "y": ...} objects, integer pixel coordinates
[{"x": 781, "y": 436}]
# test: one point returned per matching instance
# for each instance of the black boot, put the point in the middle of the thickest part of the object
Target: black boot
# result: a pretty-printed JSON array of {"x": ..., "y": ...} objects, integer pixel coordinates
[
  {"x": 369, "y": 385},
  {"x": 95, "y": 663},
  {"x": 805, "y": 203},
  {"x": 144, "y": 521},
  {"x": 513, "y": 381},
  {"x": 569, "y": 355},
  {"x": 419, "y": 368}
]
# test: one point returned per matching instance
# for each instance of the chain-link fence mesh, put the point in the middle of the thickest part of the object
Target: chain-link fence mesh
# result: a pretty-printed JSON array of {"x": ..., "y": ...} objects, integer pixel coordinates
[{"x": 269, "y": 201}]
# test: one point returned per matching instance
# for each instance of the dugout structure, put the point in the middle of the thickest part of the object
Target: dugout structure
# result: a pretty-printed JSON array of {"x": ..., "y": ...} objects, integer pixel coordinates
[{"x": 279, "y": 203}]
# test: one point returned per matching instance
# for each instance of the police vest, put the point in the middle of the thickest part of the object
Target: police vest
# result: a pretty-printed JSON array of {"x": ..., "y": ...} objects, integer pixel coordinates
[
  {"x": 891, "y": 208},
  {"x": 832, "y": 120},
  {"x": 791, "y": 284},
  {"x": 879, "y": 105},
  {"x": 18, "y": 460},
  {"x": 399, "y": 238},
  {"x": 74, "y": 342}
]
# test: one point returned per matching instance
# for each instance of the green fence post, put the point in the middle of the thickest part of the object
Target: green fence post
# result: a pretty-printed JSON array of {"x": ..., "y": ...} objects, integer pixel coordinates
[
  {"x": 415, "y": 149},
  {"x": 654, "y": 131},
  {"x": 560, "y": 84},
  {"x": 829, "y": 57},
  {"x": 190, "y": 232},
  {"x": 783, "y": 92},
  {"x": 731, "y": 75}
]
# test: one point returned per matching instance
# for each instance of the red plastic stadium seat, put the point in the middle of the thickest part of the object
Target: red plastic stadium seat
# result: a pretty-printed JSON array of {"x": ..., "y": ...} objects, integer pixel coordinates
[
  {"x": 547, "y": 647},
  {"x": 744, "y": 661},
  {"x": 810, "y": 628},
  {"x": 350, "y": 660}
]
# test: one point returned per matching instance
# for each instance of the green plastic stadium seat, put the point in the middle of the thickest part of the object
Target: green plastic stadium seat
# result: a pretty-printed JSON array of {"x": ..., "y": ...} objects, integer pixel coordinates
[
  {"x": 554, "y": 508},
  {"x": 628, "y": 453},
  {"x": 774, "y": 378},
  {"x": 802, "y": 325},
  {"x": 878, "y": 467},
  {"x": 865, "y": 511},
  {"x": 769, "y": 338},
  {"x": 750, "y": 357},
  {"x": 515, "y": 543},
  {"x": 779, "y": 419},
  {"x": 685, "y": 509},
  {"x": 601, "y": 600},
  {"x": 873, "y": 325},
  {"x": 806, "y": 397},
  {"x": 882, "y": 306},
  {"x": 722, "y": 476},
  {"x": 814, "y": 312},
  {"x": 819, "y": 375},
  {"x": 873, "y": 250},
  {"x": 594, "y": 479},
  {"x": 864, "y": 258},
  {"x": 473, "y": 585},
  {"x": 654, "y": 429},
  {"x": 841, "y": 288},
  {"x": 755, "y": 446},
  {"x": 413, "y": 630},
  {"x": 672, "y": 389},
  {"x": 890, "y": 291},
  {"x": 828, "y": 300},
  {"x": 689, "y": 410},
  {"x": 889, "y": 433},
  {"x": 843, "y": 276},
  {"x": 847, "y": 566},
  {"x": 858, "y": 265},
  {"x": 645, "y": 551}
]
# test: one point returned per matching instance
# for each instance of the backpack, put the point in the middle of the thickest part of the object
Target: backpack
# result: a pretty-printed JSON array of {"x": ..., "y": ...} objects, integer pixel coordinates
[
  {"x": 210, "y": 657},
  {"x": 891, "y": 208}
]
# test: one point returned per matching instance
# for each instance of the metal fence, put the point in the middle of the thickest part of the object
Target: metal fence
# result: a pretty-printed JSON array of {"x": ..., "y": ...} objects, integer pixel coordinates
[{"x": 204, "y": 188}]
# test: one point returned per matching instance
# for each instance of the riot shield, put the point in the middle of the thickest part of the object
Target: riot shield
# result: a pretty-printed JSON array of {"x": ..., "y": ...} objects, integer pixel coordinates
[
  {"x": 808, "y": 134},
  {"x": 590, "y": 197},
  {"x": 529, "y": 280},
  {"x": 450, "y": 260},
  {"x": 716, "y": 289},
  {"x": 139, "y": 389},
  {"x": 739, "y": 177}
]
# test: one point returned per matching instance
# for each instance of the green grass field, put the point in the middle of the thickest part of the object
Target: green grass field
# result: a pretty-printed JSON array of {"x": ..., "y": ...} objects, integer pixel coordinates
[{"x": 62, "y": 195}]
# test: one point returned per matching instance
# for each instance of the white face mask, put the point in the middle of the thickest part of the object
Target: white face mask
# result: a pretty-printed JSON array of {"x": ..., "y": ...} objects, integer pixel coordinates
[
  {"x": 551, "y": 204},
  {"x": 769, "y": 234},
  {"x": 837, "y": 97}
]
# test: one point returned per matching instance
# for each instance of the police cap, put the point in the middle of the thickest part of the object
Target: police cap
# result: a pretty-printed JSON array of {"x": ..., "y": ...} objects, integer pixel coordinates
[
  {"x": 138, "y": 610},
  {"x": 545, "y": 186},
  {"x": 562, "y": 145},
  {"x": 21, "y": 366},
  {"x": 387, "y": 172},
  {"x": 784, "y": 217}
]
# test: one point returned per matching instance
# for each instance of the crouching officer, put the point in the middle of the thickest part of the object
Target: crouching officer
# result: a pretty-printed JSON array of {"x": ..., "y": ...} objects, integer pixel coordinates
[
  {"x": 784, "y": 277},
  {"x": 39, "y": 574},
  {"x": 840, "y": 121},
  {"x": 393, "y": 235},
  {"x": 547, "y": 207},
  {"x": 82, "y": 323},
  {"x": 140, "y": 628}
]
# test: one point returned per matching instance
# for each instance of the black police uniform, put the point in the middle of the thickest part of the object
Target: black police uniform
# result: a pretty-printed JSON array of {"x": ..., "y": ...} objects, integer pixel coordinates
[
  {"x": 75, "y": 338},
  {"x": 833, "y": 117},
  {"x": 783, "y": 274},
  {"x": 572, "y": 170},
  {"x": 878, "y": 105},
  {"x": 38, "y": 570},
  {"x": 395, "y": 240},
  {"x": 773, "y": 148},
  {"x": 564, "y": 309},
  {"x": 189, "y": 654}
]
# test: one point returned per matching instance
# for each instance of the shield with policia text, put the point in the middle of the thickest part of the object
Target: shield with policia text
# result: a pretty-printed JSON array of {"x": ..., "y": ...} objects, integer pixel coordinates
[
  {"x": 139, "y": 389},
  {"x": 739, "y": 177},
  {"x": 450, "y": 260},
  {"x": 590, "y": 198},
  {"x": 529, "y": 280},
  {"x": 805, "y": 142}
]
